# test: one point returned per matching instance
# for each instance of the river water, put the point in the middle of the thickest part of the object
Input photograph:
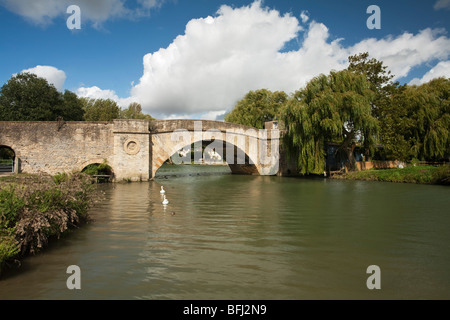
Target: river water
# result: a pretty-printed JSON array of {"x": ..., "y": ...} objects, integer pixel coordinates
[{"x": 238, "y": 237}]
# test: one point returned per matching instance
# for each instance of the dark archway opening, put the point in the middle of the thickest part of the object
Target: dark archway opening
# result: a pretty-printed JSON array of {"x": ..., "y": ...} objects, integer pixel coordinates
[
  {"x": 7, "y": 158},
  {"x": 102, "y": 172}
]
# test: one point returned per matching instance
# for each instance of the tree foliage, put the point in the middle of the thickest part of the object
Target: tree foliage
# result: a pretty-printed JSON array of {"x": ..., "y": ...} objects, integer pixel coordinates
[
  {"x": 257, "y": 107},
  {"x": 417, "y": 122},
  {"x": 26, "y": 97},
  {"x": 134, "y": 111},
  {"x": 333, "y": 108},
  {"x": 100, "y": 109},
  {"x": 376, "y": 72}
]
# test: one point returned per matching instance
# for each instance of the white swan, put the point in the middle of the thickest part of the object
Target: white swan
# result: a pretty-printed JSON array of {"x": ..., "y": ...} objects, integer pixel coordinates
[
  {"x": 162, "y": 190},
  {"x": 165, "y": 201}
]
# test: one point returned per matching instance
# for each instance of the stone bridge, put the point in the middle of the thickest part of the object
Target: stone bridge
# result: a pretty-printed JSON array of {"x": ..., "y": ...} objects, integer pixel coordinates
[{"x": 136, "y": 149}]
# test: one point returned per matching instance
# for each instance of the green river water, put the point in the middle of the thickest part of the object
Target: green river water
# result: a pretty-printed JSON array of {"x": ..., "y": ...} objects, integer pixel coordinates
[{"x": 249, "y": 237}]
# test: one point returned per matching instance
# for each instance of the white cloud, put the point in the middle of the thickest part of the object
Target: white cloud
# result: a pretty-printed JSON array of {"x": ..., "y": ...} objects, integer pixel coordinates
[
  {"x": 406, "y": 51},
  {"x": 213, "y": 115},
  {"x": 442, "y": 4},
  {"x": 220, "y": 58},
  {"x": 51, "y": 74},
  {"x": 216, "y": 61},
  {"x": 173, "y": 117},
  {"x": 42, "y": 12},
  {"x": 442, "y": 69},
  {"x": 304, "y": 16},
  {"x": 97, "y": 93}
]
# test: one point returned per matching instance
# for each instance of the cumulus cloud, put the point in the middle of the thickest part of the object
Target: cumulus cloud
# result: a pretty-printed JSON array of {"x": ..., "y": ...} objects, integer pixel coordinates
[
  {"x": 406, "y": 51},
  {"x": 51, "y": 74},
  {"x": 442, "y": 69},
  {"x": 97, "y": 93},
  {"x": 216, "y": 61},
  {"x": 220, "y": 58},
  {"x": 42, "y": 12}
]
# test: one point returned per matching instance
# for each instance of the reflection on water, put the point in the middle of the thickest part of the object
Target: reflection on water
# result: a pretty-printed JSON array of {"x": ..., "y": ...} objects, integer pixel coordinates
[
  {"x": 250, "y": 237},
  {"x": 168, "y": 170}
]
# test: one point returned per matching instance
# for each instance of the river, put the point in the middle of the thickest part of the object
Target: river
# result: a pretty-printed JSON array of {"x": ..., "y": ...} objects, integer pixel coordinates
[{"x": 238, "y": 237}]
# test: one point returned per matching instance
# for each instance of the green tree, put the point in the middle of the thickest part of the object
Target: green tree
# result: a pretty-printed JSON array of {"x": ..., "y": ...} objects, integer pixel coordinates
[
  {"x": 100, "y": 109},
  {"x": 257, "y": 107},
  {"x": 134, "y": 111},
  {"x": 26, "y": 97},
  {"x": 417, "y": 123},
  {"x": 333, "y": 108},
  {"x": 72, "y": 107},
  {"x": 391, "y": 119},
  {"x": 376, "y": 72}
]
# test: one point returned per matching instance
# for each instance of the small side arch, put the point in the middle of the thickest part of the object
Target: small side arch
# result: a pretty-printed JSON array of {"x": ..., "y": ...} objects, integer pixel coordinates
[
  {"x": 8, "y": 160},
  {"x": 98, "y": 168}
]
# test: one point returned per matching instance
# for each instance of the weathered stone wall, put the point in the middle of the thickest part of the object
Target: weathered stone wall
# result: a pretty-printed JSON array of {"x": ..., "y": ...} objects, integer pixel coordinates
[{"x": 52, "y": 147}]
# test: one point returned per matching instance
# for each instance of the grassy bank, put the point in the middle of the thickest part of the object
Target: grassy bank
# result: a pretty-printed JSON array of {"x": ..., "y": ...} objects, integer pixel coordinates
[
  {"x": 36, "y": 208},
  {"x": 411, "y": 174}
]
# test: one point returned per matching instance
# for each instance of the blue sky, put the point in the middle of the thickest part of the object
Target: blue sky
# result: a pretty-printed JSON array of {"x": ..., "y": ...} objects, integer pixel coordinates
[{"x": 198, "y": 67}]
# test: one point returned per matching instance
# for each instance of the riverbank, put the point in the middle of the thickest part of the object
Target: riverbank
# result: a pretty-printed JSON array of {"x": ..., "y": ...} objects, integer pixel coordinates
[
  {"x": 411, "y": 174},
  {"x": 37, "y": 208}
]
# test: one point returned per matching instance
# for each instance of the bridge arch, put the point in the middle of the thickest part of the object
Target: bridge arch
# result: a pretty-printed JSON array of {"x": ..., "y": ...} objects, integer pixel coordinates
[
  {"x": 7, "y": 152},
  {"x": 239, "y": 161},
  {"x": 170, "y": 136},
  {"x": 8, "y": 160},
  {"x": 108, "y": 171}
]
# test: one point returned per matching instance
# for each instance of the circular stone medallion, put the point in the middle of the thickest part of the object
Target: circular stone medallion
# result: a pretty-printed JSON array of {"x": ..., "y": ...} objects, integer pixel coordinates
[{"x": 131, "y": 147}]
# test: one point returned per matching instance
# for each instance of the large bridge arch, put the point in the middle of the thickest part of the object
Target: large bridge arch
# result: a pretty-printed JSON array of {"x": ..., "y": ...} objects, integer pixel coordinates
[
  {"x": 230, "y": 154},
  {"x": 170, "y": 136}
]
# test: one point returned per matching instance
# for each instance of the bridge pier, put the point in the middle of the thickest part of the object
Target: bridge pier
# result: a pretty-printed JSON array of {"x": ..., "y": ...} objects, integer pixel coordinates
[{"x": 132, "y": 150}]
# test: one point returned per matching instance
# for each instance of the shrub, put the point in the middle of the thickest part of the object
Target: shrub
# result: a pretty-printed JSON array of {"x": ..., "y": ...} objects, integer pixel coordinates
[
  {"x": 9, "y": 247},
  {"x": 442, "y": 175},
  {"x": 36, "y": 208}
]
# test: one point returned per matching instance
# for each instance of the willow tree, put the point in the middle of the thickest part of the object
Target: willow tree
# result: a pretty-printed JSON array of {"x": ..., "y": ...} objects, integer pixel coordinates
[
  {"x": 420, "y": 121},
  {"x": 434, "y": 124},
  {"x": 331, "y": 108}
]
